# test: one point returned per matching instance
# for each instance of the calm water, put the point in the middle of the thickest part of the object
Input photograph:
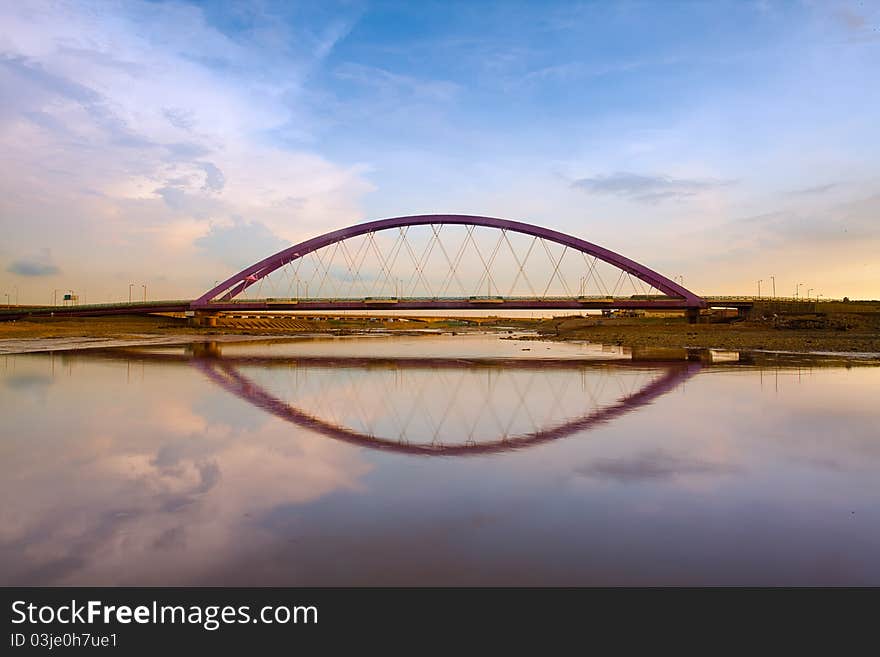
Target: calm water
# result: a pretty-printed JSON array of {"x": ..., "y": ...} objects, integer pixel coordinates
[{"x": 435, "y": 460}]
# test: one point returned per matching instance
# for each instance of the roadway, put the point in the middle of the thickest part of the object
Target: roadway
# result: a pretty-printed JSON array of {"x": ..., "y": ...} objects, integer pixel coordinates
[{"x": 491, "y": 304}]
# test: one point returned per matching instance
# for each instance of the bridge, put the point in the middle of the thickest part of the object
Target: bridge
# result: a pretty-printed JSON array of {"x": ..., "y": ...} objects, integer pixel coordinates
[{"x": 429, "y": 263}]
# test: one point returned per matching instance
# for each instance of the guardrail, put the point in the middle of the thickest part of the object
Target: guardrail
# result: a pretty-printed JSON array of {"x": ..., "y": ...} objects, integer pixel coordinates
[{"x": 476, "y": 298}]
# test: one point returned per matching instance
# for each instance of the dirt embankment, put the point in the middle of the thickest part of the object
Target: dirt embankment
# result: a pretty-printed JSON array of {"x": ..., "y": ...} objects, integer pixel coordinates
[
  {"x": 809, "y": 334},
  {"x": 838, "y": 334},
  {"x": 129, "y": 327},
  {"x": 93, "y": 327}
]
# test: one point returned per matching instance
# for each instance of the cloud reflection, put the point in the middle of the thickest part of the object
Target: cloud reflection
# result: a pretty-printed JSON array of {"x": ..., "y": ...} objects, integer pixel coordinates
[{"x": 653, "y": 465}]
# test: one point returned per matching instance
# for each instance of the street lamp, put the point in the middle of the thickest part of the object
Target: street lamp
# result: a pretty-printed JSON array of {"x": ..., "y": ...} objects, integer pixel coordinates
[
  {"x": 145, "y": 292},
  {"x": 130, "y": 286},
  {"x": 773, "y": 280},
  {"x": 760, "y": 280},
  {"x": 809, "y": 291},
  {"x": 797, "y": 290}
]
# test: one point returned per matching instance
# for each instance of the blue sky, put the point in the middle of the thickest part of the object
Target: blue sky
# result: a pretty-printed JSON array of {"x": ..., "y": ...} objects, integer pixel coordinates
[{"x": 172, "y": 142}]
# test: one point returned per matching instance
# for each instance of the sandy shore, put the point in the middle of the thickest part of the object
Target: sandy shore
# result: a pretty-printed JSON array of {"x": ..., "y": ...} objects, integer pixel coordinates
[
  {"x": 740, "y": 336},
  {"x": 79, "y": 333}
]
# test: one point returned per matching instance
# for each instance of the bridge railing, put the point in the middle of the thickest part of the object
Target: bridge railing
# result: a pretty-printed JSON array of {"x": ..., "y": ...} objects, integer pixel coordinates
[
  {"x": 755, "y": 298},
  {"x": 481, "y": 298}
]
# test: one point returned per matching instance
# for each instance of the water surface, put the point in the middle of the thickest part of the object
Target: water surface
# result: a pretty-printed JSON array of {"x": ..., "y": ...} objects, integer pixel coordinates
[{"x": 436, "y": 460}]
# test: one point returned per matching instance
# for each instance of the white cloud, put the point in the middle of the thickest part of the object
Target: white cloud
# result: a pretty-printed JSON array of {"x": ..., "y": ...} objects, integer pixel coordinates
[{"x": 133, "y": 124}]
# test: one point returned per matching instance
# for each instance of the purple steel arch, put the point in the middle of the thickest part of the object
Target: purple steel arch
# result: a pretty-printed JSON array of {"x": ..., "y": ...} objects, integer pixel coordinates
[{"x": 235, "y": 285}]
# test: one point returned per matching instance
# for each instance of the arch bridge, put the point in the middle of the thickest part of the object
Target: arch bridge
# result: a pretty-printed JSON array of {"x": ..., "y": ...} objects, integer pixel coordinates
[
  {"x": 429, "y": 262},
  {"x": 458, "y": 262}
]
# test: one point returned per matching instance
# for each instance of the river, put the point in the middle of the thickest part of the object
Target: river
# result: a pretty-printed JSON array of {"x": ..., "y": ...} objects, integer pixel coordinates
[{"x": 436, "y": 460}]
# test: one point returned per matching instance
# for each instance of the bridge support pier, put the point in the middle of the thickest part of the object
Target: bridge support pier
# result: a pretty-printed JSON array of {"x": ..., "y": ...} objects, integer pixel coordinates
[
  {"x": 693, "y": 315},
  {"x": 204, "y": 318}
]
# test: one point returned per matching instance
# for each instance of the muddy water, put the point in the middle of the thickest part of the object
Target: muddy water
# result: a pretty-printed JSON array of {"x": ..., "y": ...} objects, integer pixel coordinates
[{"x": 436, "y": 460}]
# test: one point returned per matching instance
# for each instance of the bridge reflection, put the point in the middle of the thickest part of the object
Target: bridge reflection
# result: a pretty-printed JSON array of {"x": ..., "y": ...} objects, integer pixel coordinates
[
  {"x": 436, "y": 406},
  {"x": 232, "y": 380}
]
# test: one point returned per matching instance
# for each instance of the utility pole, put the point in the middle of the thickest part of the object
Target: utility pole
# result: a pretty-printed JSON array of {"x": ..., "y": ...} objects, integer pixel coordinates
[
  {"x": 760, "y": 280},
  {"x": 773, "y": 280},
  {"x": 130, "y": 286},
  {"x": 145, "y": 292}
]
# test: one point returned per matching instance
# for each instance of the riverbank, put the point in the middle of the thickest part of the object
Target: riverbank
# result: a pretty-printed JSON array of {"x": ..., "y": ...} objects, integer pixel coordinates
[
  {"x": 860, "y": 336},
  {"x": 72, "y": 333}
]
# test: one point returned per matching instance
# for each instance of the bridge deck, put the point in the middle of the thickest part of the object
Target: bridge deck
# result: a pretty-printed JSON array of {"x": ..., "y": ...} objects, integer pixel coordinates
[
  {"x": 487, "y": 303},
  {"x": 348, "y": 304}
]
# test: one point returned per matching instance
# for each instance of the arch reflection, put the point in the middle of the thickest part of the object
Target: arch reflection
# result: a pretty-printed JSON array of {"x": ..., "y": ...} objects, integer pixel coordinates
[{"x": 426, "y": 387}]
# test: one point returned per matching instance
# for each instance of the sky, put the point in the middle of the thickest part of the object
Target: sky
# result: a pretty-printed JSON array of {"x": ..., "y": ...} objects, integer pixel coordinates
[{"x": 169, "y": 144}]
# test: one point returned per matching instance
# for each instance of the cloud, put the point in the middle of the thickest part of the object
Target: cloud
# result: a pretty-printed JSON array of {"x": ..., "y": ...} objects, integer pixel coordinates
[
  {"x": 395, "y": 85},
  {"x": 838, "y": 225},
  {"x": 34, "y": 266},
  {"x": 858, "y": 27},
  {"x": 214, "y": 179},
  {"x": 240, "y": 243},
  {"x": 816, "y": 189},
  {"x": 132, "y": 129},
  {"x": 179, "y": 118},
  {"x": 647, "y": 188}
]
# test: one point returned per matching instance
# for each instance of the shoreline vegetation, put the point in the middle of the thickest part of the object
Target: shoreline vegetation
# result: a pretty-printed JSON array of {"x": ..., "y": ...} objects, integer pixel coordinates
[{"x": 857, "y": 335}]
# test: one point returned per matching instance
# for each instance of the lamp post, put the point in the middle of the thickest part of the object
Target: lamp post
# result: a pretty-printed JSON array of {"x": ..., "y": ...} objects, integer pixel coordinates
[
  {"x": 809, "y": 292},
  {"x": 760, "y": 280},
  {"x": 130, "y": 286},
  {"x": 797, "y": 290},
  {"x": 773, "y": 280},
  {"x": 145, "y": 292}
]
